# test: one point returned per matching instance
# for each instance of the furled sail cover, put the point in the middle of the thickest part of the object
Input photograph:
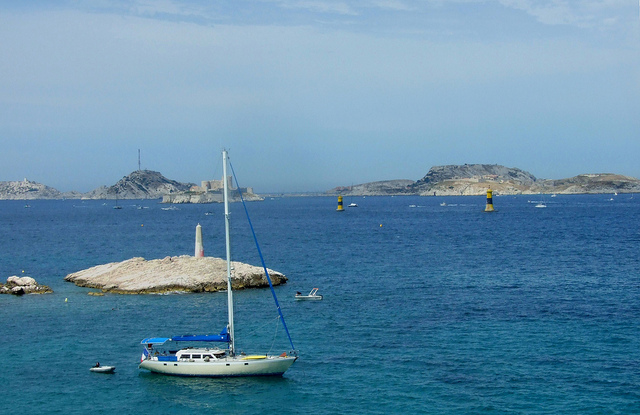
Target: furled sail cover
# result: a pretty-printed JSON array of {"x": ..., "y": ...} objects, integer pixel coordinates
[{"x": 222, "y": 337}]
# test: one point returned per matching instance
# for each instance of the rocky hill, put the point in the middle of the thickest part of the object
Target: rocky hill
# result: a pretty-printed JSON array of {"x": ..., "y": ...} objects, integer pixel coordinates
[
  {"x": 475, "y": 179},
  {"x": 141, "y": 184}
]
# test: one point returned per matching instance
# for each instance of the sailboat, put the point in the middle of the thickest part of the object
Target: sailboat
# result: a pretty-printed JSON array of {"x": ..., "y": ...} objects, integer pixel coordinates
[
  {"x": 182, "y": 355},
  {"x": 116, "y": 206},
  {"x": 352, "y": 204},
  {"x": 541, "y": 203}
]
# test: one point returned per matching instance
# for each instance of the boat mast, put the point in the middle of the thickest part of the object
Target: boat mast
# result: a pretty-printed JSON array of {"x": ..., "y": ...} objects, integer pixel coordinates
[{"x": 232, "y": 348}]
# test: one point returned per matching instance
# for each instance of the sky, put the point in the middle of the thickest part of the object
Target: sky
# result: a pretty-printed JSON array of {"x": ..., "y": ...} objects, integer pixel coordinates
[{"x": 308, "y": 95}]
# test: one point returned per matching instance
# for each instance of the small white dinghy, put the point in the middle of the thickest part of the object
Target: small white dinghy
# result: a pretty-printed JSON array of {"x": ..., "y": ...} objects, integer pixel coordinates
[
  {"x": 103, "y": 369},
  {"x": 313, "y": 295}
]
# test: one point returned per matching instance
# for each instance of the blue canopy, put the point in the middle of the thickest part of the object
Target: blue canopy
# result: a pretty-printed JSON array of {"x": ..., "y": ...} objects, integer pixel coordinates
[
  {"x": 155, "y": 340},
  {"x": 222, "y": 337}
]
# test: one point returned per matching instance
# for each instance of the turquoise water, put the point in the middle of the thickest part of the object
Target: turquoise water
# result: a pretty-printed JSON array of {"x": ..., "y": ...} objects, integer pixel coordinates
[{"x": 427, "y": 309}]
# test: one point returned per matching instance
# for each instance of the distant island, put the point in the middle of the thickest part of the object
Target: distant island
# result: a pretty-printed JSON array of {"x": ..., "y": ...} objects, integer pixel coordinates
[
  {"x": 475, "y": 179},
  {"x": 450, "y": 180},
  {"x": 140, "y": 184}
]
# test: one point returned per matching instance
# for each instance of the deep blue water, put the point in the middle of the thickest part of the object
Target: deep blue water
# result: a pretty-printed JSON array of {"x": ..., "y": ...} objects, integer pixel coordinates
[{"x": 427, "y": 309}]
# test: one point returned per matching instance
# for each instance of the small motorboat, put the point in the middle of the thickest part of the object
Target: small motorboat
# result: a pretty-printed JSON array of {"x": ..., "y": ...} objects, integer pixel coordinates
[
  {"x": 352, "y": 204},
  {"x": 313, "y": 295},
  {"x": 103, "y": 369}
]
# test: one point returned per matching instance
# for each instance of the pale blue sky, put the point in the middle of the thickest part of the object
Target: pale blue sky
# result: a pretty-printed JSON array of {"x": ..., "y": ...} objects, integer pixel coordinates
[{"x": 312, "y": 94}]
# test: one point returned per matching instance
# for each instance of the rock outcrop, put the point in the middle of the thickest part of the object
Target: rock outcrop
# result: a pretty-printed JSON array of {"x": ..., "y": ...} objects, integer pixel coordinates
[
  {"x": 23, "y": 285},
  {"x": 209, "y": 197},
  {"x": 172, "y": 274}
]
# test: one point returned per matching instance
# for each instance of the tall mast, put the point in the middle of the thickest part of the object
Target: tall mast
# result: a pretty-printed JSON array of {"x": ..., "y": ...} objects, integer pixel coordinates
[{"x": 232, "y": 348}]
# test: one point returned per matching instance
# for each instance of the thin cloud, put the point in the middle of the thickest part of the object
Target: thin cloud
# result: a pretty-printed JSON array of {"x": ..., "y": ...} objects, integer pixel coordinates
[
  {"x": 325, "y": 7},
  {"x": 394, "y": 5},
  {"x": 562, "y": 12}
]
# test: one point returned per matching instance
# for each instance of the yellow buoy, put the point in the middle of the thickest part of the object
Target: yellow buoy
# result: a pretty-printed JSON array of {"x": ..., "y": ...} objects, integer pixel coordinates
[
  {"x": 340, "y": 207},
  {"x": 489, "y": 207}
]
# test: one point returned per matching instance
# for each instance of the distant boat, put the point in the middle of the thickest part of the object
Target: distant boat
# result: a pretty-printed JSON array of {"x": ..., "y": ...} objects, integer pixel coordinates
[
  {"x": 313, "y": 295},
  {"x": 167, "y": 356},
  {"x": 352, "y": 205},
  {"x": 170, "y": 208}
]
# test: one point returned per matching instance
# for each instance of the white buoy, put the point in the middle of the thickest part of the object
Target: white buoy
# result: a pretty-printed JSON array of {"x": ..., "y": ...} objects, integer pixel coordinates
[{"x": 199, "y": 248}]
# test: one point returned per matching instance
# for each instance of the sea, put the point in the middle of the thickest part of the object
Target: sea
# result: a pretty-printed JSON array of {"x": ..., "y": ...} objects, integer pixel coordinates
[{"x": 431, "y": 306}]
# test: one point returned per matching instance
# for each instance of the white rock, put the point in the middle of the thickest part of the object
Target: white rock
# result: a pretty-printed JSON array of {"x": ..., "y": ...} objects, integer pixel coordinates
[
  {"x": 183, "y": 273},
  {"x": 25, "y": 281}
]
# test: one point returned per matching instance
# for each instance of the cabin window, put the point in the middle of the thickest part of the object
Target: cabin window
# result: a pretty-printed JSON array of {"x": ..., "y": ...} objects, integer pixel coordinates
[
  {"x": 208, "y": 355},
  {"x": 185, "y": 356},
  {"x": 195, "y": 356}
]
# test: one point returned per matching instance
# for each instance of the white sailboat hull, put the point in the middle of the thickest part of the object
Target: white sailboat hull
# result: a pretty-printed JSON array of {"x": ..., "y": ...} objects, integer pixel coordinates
[{"x": 224, "y": 367}]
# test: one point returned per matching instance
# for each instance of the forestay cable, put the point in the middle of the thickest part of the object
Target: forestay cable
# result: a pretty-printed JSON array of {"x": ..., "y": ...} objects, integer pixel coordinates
[{"x": 264, "y": 266}]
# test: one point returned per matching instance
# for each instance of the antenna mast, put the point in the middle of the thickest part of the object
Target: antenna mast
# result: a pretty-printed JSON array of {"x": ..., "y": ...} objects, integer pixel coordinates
[{"x": 139, "y": 160}]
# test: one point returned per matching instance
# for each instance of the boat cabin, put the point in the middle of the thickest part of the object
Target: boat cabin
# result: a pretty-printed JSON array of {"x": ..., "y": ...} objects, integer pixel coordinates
[{"x": 192, "y": 355}]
